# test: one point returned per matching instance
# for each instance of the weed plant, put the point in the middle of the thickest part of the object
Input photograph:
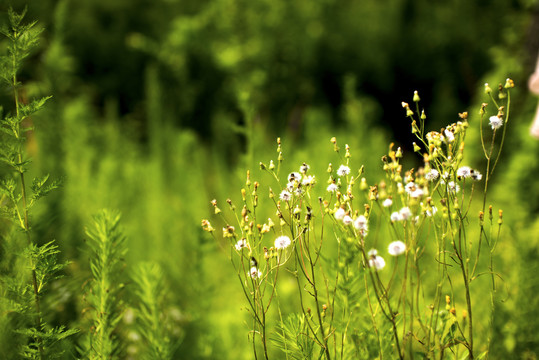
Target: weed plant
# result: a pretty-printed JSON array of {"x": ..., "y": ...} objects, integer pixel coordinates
[
  {"x": 417, "y": 298},
  {"x": 28, "y": 266}
]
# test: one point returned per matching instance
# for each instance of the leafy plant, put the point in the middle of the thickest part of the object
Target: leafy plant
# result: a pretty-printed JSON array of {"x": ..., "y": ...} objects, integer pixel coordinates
[
  {"x": 26, "y": 284},
  {"x": 107, "y": 243}
]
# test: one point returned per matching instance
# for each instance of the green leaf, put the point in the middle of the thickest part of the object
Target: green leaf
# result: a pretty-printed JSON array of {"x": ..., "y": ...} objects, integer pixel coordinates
[
  {"x": 28, "y": 109},
  {"x": 40, "y": 188}
]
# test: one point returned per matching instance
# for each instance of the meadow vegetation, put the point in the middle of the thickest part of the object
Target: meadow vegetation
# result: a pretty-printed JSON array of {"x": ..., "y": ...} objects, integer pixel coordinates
[{"x": 106, "y": 177}]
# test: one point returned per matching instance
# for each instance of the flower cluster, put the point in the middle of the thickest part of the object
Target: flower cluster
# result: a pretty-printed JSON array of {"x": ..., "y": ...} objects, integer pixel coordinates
[{"x": 360, "y": 223}]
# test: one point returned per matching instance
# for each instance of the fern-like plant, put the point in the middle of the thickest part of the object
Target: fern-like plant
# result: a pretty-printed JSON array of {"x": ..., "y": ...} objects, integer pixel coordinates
[
  {"x": 107, "y": 244},
  {"x": 35, "y": 265},
  {"x": 152, "y": 319}
]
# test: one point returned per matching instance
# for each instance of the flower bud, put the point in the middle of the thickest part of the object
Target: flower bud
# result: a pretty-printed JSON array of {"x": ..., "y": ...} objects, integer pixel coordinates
[
  {"x": 416, "y": 97},
  {"x": 509, "y": 84}
]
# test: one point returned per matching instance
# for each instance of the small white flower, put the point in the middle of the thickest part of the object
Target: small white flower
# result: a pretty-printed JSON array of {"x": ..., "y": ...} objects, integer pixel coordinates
[
  {"x": 396, "y": 248},
  {"x": 432, "y": 175},
  {"x": 372, "y": 252},
  {"x": 282, "y": 242},
  {"x": 290, "y": 186},
  {"x": 332, "y": 187},
  {"x": 405, "y": 213},
  {"x": 298, "y": 191},
  {"x": 343, "y": 170},
  {"x": 285, "y": 195},
  {"x": 308, "y": 180},
  {"x": 449, "y": 136},
  {"x": 304, "y": 168},
  {"x": 377, "y": 262},
  {"x": 241, "y": 244},
  {"x": 476, "y": 175},
  {"x": 495, "y": 122},
  {"x": 410, "y": 187},
  {"x": 464, "y": 172},
  {"x": 347, "y": 220},
  {"x": 396, "y": 216},
  {"x": 413, "y": 190},
  {"x": 454, "y": 188},
  {"x": 360, "y": 223},
  {"x": 432, "y": 212},
  {"x": 387, "y": 202},
  {"x": 417, "y": 193},
  {"x": 339, "y": 214},
  {"x": 255, "y": 273},
  {"x": 294, "y": 176}
]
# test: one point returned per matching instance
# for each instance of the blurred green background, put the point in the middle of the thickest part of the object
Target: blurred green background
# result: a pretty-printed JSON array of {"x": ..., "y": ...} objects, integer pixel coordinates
[{"x": 160, "y": 106}]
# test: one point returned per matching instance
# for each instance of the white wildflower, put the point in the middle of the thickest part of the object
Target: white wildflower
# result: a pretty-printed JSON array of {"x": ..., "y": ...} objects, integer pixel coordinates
[
  {"x": 449, "y": 136},
  {"x": 304, "y": 168},
  {"x": 347, "y": 220},
  {"x": 290, "y": 186},
  {"x": 495, "y": 122},
  {"x": 396, "y": 216},
  {"x": 294, "y": 176},
  {"x": 431, "y": 212},
  {"x": 308, "y": 180},
  {"x": 410, "y": 187},
  {"x": 396, "y": 248},
  {"x": 432, "y": 175},
  {"x": 405, "y": 213},
  {"x": 372, "y": 252},
  {"x": 476, "y": 175},
  {"x": 340, "y": 213},
  {"x": 285, "y": 195},
  {"x": 454, "y": 188},
  {"x": 387, "y": 202},
  {"x": 377, "y": 262},
  {"x": 464, "y": 172},
  {"x": 241, "y": 244},
  {"x": 255, "y": 273},
  {"x": 360, "y": 223},
  {"x": 332, "y": 187},
  {"x": 282, "y": 242},
  {"x": 343, "y": 170},
  {"x": 417, "y": 193}
]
